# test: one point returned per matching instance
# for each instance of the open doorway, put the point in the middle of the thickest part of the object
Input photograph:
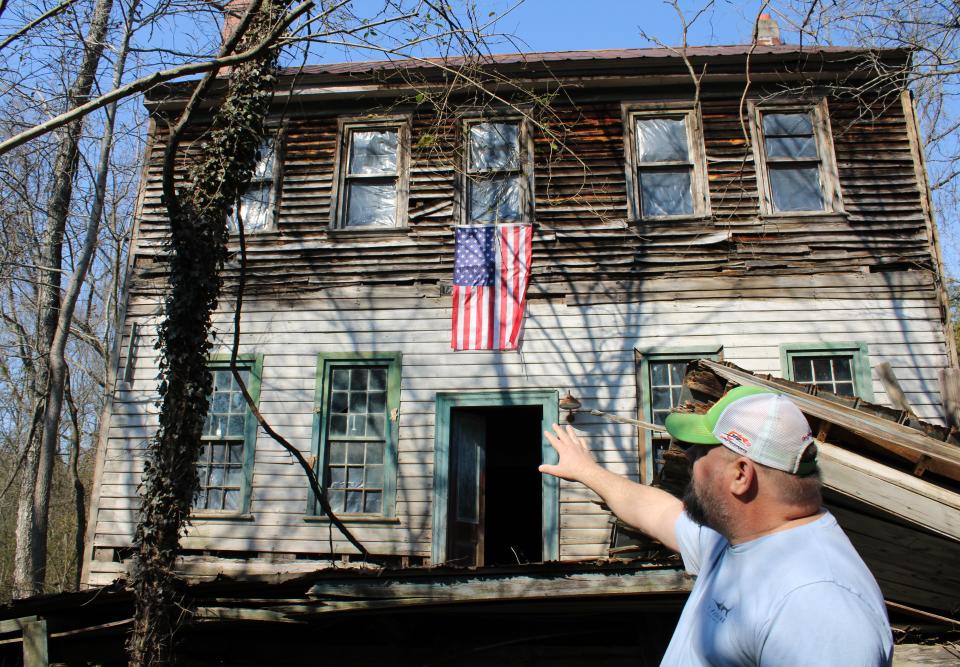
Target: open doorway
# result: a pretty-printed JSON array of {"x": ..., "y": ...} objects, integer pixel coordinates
[{"x": 496, "y": 492}]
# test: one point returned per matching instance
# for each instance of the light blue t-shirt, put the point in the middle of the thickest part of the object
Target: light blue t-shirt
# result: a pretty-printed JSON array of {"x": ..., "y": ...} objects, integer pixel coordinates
[{"x": 798, "y": 597}]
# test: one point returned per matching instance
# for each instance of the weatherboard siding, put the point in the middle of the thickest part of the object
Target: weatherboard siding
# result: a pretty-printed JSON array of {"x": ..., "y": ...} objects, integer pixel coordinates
[{"x": 587, "y": 349}]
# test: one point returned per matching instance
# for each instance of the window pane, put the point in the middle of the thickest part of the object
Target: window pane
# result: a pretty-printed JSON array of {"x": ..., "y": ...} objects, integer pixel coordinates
[
  {"x": 234, "y": 476},
  {"x": 373, "y": 152},
  {"x": 266, "y": 158},
  {"x": 235, "y": 426},
  {"x": 375, "y": 426},
  {"x": 791, "y": 147},
  {"x": 358, "y": 379},
  {"x": 338, "y": 452},
  {"x": 796, "y": 189},
  {"x": 371, "y": 204},
  {"x": 355, "y": 453},
  {"x": 358, "y": 401},
  {"x": 377, "y": 402},
  {"x": 374, "y": 479},
  {"x": 341, "y": 378},
  {"x": 676, "y": 372},
  {"x": 338, "y": 401},
  {"x": 338, "y": 424},
  {"x": 255, "y": 207},
  {"x": 842, "y": 369},
  {"x": 378, "y": 379},
  {"x": 787, "y": 124},
  {"x": 356, "y": 425},
  {"x": 845, "y": 389},
  {"x": 354, "y": 504},
  {"x": 659, "y": 374},
  {"x": 338, "y": 477},
  {"x": 231, "y": 499},
  {"x": 661, "y": 398},
  {"x": 214, "y": 499},
  {"x": 665, "y": 193},
  {"x": 374, "y": 453},
  {"x": 495, "y": 199},
  {"x": 494, "y": 146},
  {"x": 821, "y": 370},
  {"x": 661, "y": 139},
  {"x": 802, "y": 370},
  {"x": 335, "y": 498},
  {"x": 372, "y": 502},
  {"x": 355, "y": 477}
]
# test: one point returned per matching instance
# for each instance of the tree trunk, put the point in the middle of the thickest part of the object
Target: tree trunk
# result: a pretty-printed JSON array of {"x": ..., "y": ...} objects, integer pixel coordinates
[
  {"x": 32, "y": 510},
  {"x": 198, "y": 225}
]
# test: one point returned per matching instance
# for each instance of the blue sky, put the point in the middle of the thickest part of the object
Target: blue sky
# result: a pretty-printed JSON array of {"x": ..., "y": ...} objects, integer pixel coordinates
[{"x": 561, "y": 25}]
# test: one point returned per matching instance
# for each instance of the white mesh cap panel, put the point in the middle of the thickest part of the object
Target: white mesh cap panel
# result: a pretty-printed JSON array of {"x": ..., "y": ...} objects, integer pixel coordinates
[{"x": 767, "y": 428}]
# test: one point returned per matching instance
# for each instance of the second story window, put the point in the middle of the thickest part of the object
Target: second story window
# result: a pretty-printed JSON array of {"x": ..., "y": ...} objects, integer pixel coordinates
[
  {"x": 371, "y": 177},
  {"x": 666, "y": 168},
  {"x": 258, "y": 200},
  {"x": 796, "y": 172},
  {"x": 496, "y": 188}
]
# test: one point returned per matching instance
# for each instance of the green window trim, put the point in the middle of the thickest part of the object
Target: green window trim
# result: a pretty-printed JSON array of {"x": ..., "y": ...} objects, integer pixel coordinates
[
  {"x": 254, "y": 363},
  {"x": 643, "y": 357},
  {"x": 548, "y": 400},
  {"x": 862, "y": 380},
  {"x": 326, "y": 362}
]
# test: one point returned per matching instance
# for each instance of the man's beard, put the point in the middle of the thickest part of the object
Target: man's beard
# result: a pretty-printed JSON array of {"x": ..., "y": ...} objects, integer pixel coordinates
[{"x": 704, "y": 509}]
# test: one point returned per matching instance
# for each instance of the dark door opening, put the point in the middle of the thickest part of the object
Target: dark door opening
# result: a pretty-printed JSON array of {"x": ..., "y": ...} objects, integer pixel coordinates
[{"x": 496, "y": 495}]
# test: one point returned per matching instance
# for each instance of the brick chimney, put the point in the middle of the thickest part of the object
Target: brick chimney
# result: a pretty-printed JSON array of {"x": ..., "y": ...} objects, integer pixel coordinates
[
  {"x": 232, "y": 13},
  {"x": 768, "y": 32}
]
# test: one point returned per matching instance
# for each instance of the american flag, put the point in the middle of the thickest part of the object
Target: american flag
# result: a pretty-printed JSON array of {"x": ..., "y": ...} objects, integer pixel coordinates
[{"x": 491, "y": 271}]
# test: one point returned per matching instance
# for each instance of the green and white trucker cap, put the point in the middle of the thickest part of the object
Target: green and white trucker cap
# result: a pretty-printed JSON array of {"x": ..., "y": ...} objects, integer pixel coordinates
[{"x": 762, "y": 425}]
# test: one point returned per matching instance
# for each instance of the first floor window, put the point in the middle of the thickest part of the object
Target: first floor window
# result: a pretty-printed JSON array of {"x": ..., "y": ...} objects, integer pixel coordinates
[
  {"x": 357, "y": 416},
  {"x": 842, "y": 369},
  {"x": 227, "y": 441},
  {"x": 357, "y": 431},
  {"x": 660, "y": 375}
]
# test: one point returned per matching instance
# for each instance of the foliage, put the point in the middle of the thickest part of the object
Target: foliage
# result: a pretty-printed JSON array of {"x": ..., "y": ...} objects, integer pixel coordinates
[{"x": 198, "y": 219}]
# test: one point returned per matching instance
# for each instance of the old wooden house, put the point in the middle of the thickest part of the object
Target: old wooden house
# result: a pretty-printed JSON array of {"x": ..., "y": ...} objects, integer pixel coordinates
[{"x": 759, "y": 215}]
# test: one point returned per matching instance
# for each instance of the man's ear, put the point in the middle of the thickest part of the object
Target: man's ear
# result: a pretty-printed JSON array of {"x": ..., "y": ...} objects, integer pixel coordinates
[{"x": 743, "y": 478}]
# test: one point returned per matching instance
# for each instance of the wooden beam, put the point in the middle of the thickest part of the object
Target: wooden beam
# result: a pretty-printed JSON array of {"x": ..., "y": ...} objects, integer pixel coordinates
[
  {"x": 359, "y": 593},
  {"x": 950, "y": 395},
  {"x": 900, "y": 494},
  {"x": 892, "y": 386},
  {"x": 907, "y": 443},
  {"x": 35, "y": 644}
]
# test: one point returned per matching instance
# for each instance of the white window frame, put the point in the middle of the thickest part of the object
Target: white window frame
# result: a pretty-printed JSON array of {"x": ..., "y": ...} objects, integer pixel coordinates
[
  {"x": 346, "y": 128},
  {"x": 823, "y": 136},
  {"x": 525, "y": 170},
  {"x": 699, "y": 187}
]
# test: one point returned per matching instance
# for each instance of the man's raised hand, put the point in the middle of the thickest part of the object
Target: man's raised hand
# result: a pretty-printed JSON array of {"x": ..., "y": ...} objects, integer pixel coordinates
[{"x": 575, "y": 457}]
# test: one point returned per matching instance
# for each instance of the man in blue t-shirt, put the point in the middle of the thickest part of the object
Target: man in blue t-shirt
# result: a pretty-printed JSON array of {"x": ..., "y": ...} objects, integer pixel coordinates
[{"x": 778, "y": 583}]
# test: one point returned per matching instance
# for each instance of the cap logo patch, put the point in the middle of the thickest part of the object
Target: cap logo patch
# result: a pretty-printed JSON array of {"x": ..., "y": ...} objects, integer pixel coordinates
[{"x": 735, "y": 439}]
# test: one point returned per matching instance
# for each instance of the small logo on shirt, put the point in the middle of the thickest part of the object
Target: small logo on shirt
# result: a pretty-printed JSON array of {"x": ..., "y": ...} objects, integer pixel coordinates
[{"x": 719, "y": 611}]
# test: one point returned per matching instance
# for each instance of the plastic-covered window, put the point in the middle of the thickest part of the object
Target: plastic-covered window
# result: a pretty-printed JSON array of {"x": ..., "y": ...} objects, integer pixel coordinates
[
  {"x": 494, "y": 173},
  {"x": 664, "y": 167},
  {"x": 793, "y": 162},
  {"x": 371, "y": 178},
  {"x": 257, "y": 199}
]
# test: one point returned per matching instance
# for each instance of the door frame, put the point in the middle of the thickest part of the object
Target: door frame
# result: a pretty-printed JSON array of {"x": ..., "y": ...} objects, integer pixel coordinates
[{"x": 548, "y": 400}]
